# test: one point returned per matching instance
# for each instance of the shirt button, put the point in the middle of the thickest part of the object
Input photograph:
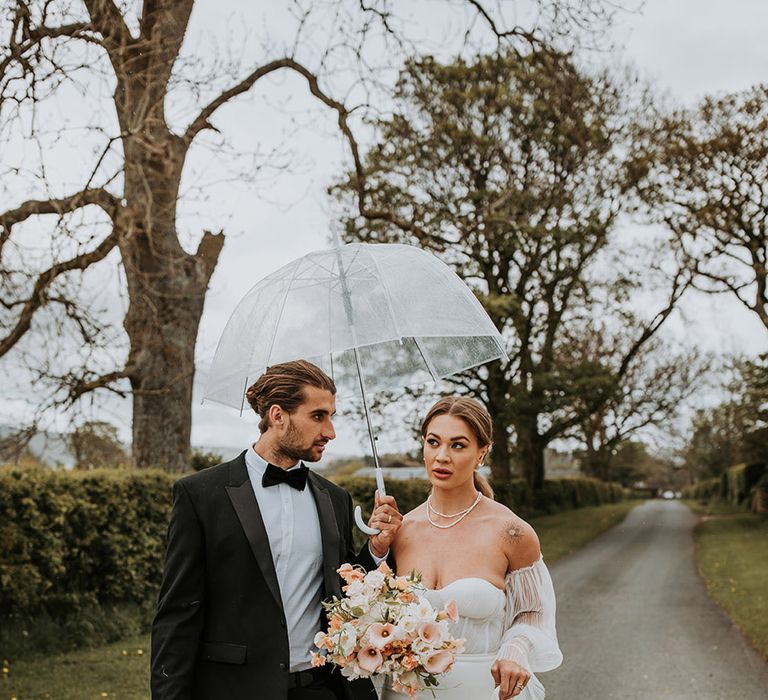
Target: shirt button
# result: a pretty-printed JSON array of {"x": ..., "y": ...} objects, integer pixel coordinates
[
  {"x": 283, "y": 667},
  {"x": 282, "y": 621}
]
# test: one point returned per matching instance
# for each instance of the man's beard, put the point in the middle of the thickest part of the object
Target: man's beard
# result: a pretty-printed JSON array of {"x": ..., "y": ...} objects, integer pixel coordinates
[{"x": 291, "y": 448}]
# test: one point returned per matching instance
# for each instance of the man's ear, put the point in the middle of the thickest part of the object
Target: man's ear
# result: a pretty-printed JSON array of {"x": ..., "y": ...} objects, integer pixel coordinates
[{"x": 276, "y": 416}]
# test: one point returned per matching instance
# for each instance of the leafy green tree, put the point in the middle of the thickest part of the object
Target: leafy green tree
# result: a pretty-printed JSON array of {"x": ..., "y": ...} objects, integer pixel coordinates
[{"x": 511, "y": 168}]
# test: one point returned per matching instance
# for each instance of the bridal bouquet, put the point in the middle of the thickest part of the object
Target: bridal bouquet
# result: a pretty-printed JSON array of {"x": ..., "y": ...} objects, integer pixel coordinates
[{"x": 384, "y": 625}]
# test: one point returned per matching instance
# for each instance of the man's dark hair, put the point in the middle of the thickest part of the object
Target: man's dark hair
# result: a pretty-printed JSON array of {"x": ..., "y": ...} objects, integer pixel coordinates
[{"x": 283, "y": 385}]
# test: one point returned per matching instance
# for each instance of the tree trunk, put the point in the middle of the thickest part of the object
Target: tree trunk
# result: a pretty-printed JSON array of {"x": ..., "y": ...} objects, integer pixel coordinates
[
  {"x": 163, "y": 365},
  {"x": 497, "y": 404},
  {"x": 530, "y": 452},
  {"x": 166, "y": 285},
  {"x": 500, "y": 457}
]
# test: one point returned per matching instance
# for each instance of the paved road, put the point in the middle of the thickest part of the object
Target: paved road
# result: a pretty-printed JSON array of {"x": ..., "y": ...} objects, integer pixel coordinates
[{"x": 634, "y": 619}]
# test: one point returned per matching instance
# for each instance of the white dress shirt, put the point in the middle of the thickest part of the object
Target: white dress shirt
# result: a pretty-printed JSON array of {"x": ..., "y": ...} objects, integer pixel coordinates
[{"x": 293, "y": 526}]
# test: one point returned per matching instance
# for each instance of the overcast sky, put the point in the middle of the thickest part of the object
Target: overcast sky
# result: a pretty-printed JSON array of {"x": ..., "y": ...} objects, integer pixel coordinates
[{"x": 688, "y": 48}]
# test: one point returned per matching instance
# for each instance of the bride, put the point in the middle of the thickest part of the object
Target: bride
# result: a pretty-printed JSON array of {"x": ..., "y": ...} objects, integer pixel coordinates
[{"x": 477, "y": 552}]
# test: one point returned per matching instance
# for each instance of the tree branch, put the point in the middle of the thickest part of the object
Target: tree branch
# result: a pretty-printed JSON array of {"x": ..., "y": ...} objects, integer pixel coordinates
[
  {"x": 39, "y": 298},
  {"x": 202, "y": 121},
  {"x": 80, "y": 386},
  {"x": 109, "y": 22},
  {"x": 516, "y": 31}
]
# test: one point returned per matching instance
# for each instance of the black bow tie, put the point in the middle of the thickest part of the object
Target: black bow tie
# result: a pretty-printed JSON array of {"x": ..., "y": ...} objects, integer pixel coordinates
[{"x": 296, "y": 478}]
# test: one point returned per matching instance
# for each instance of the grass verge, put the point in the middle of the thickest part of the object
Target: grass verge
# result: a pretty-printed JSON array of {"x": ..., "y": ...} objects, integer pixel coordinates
[
  {"x": 120, "y": 671},
  {"x": 563, "y": 533},
  {"x": 732, "y": 557},
  {"x": 714, "y": 508}
]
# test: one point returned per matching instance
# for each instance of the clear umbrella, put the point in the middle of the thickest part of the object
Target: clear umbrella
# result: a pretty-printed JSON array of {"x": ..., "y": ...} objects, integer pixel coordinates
[{"x": 373, "y": 316}]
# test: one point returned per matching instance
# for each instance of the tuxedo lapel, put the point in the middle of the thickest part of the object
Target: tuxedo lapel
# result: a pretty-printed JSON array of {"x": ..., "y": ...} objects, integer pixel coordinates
[
  {"x": 246, "y": 507},
  {"x": 329, "y": 533}
]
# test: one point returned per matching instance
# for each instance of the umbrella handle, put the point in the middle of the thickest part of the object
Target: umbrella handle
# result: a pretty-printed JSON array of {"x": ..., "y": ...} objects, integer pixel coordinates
[{"x": 361, "y": 523}]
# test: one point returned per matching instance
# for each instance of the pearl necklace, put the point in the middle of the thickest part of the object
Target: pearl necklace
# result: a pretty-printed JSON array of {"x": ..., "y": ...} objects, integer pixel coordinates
[{"x": 460, "y": 515}]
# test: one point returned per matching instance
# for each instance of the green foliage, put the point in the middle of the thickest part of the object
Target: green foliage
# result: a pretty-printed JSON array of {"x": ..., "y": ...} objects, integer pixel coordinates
[
  {"x": 26, "y": 636},
  {"x": 705, "y": 490},
  {"x": 511, "y": 167},
  {"x": 408, "y": 493},
  {"x": 740, "y": 480},
  {"x": 557, "y": 495},
  {"x": 72, "y": 539},
  {"x": 566, "y": 494},
  {"x": 732, "y": 557},
  {"x": 515, "y": 494},
  {"x": 735, "y": 486},
  {"x": 203, "y": 460}
]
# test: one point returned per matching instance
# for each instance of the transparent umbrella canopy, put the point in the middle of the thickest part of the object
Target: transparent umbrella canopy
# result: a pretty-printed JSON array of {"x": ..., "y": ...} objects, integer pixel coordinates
[{"x": 372, "y": 316}]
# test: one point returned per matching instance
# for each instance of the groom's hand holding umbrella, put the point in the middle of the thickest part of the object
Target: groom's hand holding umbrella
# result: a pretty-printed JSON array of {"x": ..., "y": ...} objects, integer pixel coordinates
[{"x": 387, "y": 519}]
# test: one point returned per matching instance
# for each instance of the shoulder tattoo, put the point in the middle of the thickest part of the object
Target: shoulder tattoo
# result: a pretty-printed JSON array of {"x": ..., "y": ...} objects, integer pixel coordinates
[{"x": 513, "y": 532}]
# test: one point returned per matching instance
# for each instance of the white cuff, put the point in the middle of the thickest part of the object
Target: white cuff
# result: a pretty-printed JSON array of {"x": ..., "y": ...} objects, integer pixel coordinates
[{"x": 377, "y": 560}]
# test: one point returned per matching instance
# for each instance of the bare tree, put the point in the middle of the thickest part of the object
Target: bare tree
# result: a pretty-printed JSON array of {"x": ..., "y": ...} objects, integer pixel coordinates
[
  {"x": 124, "y": 211},
  {"x": 648, "y": 395},
  {"x": 704, "y": 174}
]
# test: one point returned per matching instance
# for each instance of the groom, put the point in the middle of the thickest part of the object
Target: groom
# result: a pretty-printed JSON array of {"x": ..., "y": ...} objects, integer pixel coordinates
[{"x": 253, "y": 548}]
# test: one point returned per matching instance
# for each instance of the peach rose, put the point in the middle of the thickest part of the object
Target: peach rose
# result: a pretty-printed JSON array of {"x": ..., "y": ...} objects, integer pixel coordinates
[
  {"x": 438, "y": 661},
  {"x": 349, "y": 573},
  {"x": 369, "y": 659},
  {"x": 401, "y": 583},
  {"x": 430, "y": 632},
  {"x": 409, "y": 662},
  {"x": 334, "y": 624},
  {"x": 317, "y": 660},
  {"x": 384, "y": 567},
  {"x": 407, "y": 597},
  {"x": 323, "y": 641}
]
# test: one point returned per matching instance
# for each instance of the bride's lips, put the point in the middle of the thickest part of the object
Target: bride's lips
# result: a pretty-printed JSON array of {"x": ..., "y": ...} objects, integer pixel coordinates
[{"x": 441, "y": 472}]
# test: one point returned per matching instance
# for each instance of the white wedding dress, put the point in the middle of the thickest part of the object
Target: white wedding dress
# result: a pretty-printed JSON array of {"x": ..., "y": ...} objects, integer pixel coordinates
[{"x": 517, "y": 623}]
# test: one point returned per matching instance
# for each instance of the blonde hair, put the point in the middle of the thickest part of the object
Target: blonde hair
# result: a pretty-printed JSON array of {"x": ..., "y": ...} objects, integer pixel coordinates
[
  {"x": 283, "y": 385},
  {"x": 476, "y": 416}
]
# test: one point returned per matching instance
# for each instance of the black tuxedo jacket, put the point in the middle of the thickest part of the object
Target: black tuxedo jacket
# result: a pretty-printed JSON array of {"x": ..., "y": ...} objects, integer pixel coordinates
[{"x": 220, "y": 630}]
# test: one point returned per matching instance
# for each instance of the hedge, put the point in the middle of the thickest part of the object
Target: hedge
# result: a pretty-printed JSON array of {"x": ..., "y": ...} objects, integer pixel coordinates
[
  {"x": 739, "y": 481},
  {"x": 557, "y": 494},
  {"x": 706, "y": 490},
  {"x": 736, "y": 485},
  {"x": 73, "y": 539},
  {"x": 70, "y": 540}
]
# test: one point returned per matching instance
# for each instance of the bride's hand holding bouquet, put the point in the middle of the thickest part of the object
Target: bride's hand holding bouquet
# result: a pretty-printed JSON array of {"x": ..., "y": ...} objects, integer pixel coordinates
[{"x": 385, "y": 625}]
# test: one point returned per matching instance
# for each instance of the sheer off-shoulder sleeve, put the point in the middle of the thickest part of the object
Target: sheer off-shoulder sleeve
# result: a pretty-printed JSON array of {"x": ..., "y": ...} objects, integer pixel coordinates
[{"x": 530, "y": 636}]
